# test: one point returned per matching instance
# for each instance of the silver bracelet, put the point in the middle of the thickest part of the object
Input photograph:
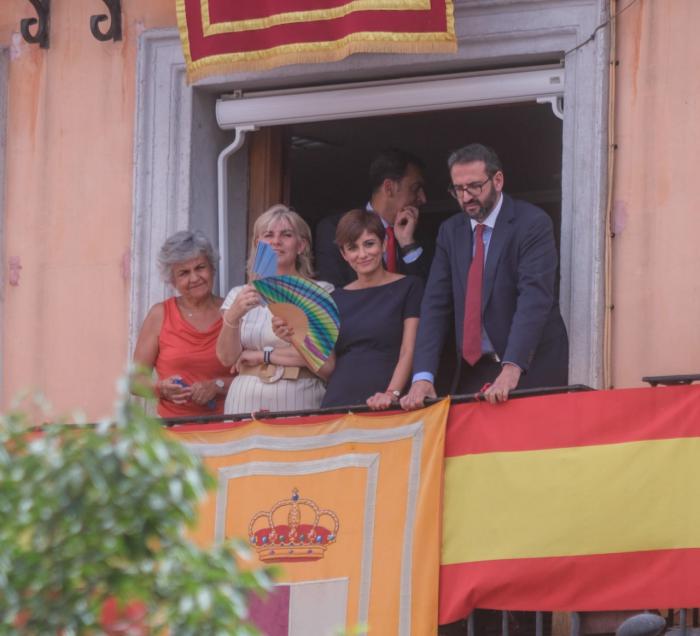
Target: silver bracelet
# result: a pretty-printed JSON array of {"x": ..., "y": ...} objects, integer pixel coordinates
[
  {"x": 231, "y": 325},
  {"x": 267, "y": 355}
]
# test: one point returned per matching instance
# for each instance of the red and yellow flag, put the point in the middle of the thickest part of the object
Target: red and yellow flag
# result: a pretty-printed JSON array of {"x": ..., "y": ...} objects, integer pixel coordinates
[
  {"x": 221, "y": 36},
  {"x": 573, "y": 502},
  {"x": 348, "y": 508}
]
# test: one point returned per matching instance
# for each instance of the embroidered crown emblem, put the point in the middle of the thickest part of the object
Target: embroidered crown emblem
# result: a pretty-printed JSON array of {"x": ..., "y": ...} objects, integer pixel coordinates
[{"x": 301, "y": 538}]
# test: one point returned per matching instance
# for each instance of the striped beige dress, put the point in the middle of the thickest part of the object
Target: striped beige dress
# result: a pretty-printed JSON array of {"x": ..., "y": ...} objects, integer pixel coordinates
[{"x": 248, "y": 393}]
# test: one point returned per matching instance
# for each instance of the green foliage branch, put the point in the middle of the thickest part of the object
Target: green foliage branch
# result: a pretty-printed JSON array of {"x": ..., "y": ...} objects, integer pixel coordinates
[{"x": 89, "y": 513}]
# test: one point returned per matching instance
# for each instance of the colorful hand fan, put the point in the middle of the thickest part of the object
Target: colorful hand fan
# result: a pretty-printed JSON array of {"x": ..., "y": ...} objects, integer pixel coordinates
[
  {"x": 309, "y": 310},
  {"x": 265, "y": 263}
]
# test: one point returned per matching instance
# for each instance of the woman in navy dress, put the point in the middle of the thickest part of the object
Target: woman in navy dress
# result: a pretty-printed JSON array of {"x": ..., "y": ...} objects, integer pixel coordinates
[{"x": 378, "y": 321}]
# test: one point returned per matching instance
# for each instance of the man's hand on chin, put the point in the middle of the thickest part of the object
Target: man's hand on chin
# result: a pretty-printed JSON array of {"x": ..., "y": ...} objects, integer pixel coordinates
[
  {"x": 405, "y": 225},
  {"x": 416, "y": 395},
  {"x": 506, "y": 381}
]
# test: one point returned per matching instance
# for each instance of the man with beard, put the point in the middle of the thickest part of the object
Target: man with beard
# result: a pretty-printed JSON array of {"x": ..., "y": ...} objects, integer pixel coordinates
[{"x": 493, "y": 273}]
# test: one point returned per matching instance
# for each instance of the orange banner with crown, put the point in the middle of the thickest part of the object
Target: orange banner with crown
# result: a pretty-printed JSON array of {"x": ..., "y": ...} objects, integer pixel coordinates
[
  {"x": 347, "y": 508},
  {"x": 220, "y": 36}
]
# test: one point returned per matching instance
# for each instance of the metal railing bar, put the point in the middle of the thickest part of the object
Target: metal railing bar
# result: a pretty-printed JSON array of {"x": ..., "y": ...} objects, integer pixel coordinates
[
  {"x": 575, "y": 624},
  {"x": 683, "y": 617},
  {"x": 671, "y": 380},
  {"x": 336, "y": 410},
  {"x": 363, "y": 408},
  {"x": 538, "y": 623}
]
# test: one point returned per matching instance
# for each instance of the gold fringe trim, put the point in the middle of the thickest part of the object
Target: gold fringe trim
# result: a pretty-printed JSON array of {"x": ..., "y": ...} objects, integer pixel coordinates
[
  {"x": 184, "y": 34},
  {"x": 208, "y": 69},
  {"x": 450, "y": 23},
  {"x": 335, "y": 51},
  {"x": 314, "y": 15}
]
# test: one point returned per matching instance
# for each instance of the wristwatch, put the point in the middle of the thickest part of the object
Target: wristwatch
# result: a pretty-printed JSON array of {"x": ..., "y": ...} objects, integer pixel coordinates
[
  {"x": 219, "y": 383},
  {"x": 408, "y": 248},
  {"x": 267, "y": 352}
]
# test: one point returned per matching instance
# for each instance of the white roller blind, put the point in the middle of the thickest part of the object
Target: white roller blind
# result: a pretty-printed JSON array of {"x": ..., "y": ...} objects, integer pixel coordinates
[{"x": 395, "y": 97}]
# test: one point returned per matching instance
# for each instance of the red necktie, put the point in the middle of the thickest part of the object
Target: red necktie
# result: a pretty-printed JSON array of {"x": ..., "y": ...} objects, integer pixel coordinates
[
  {"x": 390, "y": 249},
  {"x": 471, "y": 336}
]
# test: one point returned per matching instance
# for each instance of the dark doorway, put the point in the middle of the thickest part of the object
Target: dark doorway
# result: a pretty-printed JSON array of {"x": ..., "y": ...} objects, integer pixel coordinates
[{"x": 328, "y": 161}]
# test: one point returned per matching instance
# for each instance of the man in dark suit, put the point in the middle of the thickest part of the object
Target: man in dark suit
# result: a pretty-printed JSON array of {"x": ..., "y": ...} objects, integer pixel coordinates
[
  {"x": 509, "y": 329},
  {"x": 396, "y": 186}
]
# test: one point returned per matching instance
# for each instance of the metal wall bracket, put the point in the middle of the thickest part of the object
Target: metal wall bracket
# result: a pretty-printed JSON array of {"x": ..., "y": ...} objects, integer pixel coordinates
[
  {"x": 115, "y": 25},
  {"x": 671, "y": 380},
  {"x": 41, "y": 36},
  {"x": 557, "y": 104}
]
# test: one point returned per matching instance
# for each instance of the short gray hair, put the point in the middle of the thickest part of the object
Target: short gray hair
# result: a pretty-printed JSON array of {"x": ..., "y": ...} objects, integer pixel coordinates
[
  {"x": 476, "y": 152},
  {"x": 184, "y": 246}
]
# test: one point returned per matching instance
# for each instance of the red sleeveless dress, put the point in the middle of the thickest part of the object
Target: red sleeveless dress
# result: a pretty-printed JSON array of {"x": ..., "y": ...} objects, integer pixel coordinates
[{"x": 191, "y": 354}]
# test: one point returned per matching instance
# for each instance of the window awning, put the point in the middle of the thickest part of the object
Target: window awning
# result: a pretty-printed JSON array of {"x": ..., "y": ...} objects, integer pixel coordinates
[{"x": 386, "y": 98}]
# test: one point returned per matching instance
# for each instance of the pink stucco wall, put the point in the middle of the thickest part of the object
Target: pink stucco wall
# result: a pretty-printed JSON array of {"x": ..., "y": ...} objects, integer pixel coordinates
[
  {"x": 68, "y": 198},
  {"x": 68, "y": 202},
  {"x": 656, "y": 249}
]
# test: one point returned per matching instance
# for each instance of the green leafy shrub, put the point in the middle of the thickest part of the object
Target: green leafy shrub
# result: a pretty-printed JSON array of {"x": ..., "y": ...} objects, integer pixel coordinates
[{"x": 93, "y": 513}]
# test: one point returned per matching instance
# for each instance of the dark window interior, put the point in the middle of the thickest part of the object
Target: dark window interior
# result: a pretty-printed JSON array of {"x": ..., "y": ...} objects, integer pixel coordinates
[{"x": 328, "y": 161}]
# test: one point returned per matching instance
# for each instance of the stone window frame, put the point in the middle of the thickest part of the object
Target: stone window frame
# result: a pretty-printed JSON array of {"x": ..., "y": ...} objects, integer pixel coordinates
[{"x": 175, "y": 159}]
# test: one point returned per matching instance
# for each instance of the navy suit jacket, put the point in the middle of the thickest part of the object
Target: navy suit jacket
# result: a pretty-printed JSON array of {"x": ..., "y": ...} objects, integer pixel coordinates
[
  {"x": 520, "y": 311},
  {"x": 331, "y": 266}
]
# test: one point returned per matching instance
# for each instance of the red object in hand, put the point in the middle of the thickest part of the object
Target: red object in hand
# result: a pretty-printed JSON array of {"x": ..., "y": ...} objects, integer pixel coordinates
[{"x": 480, "y": 395}]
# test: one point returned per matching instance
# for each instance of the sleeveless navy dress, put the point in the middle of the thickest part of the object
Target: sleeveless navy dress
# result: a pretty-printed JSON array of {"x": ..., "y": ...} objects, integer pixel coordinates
[{"x": 369, "y": 341}]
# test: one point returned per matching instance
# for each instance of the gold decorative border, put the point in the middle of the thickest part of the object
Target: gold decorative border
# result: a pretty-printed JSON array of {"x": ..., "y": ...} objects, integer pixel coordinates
[
  {"x": 319, "y": 52},
  {"x": 312, "y": 15},
  {"x": 181, "y": 15},
  {"x": 315, "y": 52}
]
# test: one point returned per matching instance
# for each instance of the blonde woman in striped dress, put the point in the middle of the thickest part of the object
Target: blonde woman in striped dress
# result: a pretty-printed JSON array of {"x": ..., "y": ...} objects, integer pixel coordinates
[{"x": 272, "y": 375}]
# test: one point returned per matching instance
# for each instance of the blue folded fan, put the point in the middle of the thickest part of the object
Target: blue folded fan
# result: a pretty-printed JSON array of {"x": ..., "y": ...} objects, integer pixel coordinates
[{"x": 265, "y": 263}]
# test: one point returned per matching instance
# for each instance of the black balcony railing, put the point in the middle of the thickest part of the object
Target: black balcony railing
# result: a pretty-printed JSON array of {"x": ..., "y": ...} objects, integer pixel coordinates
[
  {"x": 362, "y": 408},
  {"x": 671, "y": 380}
]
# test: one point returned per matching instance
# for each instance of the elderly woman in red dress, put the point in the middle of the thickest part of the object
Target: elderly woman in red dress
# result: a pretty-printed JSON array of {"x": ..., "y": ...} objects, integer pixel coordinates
[{"x": 178, "y": 336}]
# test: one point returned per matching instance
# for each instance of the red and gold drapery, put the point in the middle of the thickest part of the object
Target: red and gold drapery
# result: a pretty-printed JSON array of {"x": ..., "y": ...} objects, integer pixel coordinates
[{"x": 221, "y": 36}]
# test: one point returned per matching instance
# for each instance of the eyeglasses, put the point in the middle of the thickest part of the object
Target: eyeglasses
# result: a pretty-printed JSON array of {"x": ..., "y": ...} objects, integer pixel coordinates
[{"x": 474, "y": 189}]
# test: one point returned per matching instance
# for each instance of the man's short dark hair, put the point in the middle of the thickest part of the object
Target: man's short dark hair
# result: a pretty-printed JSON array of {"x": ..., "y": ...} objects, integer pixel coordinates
[
  {"x": 477, "y": 152},
  {"x": 393, "y": 164}
]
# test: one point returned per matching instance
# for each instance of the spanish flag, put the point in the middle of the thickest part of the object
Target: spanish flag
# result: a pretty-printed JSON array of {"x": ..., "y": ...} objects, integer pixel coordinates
[{"x": 586, "y": 501}]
